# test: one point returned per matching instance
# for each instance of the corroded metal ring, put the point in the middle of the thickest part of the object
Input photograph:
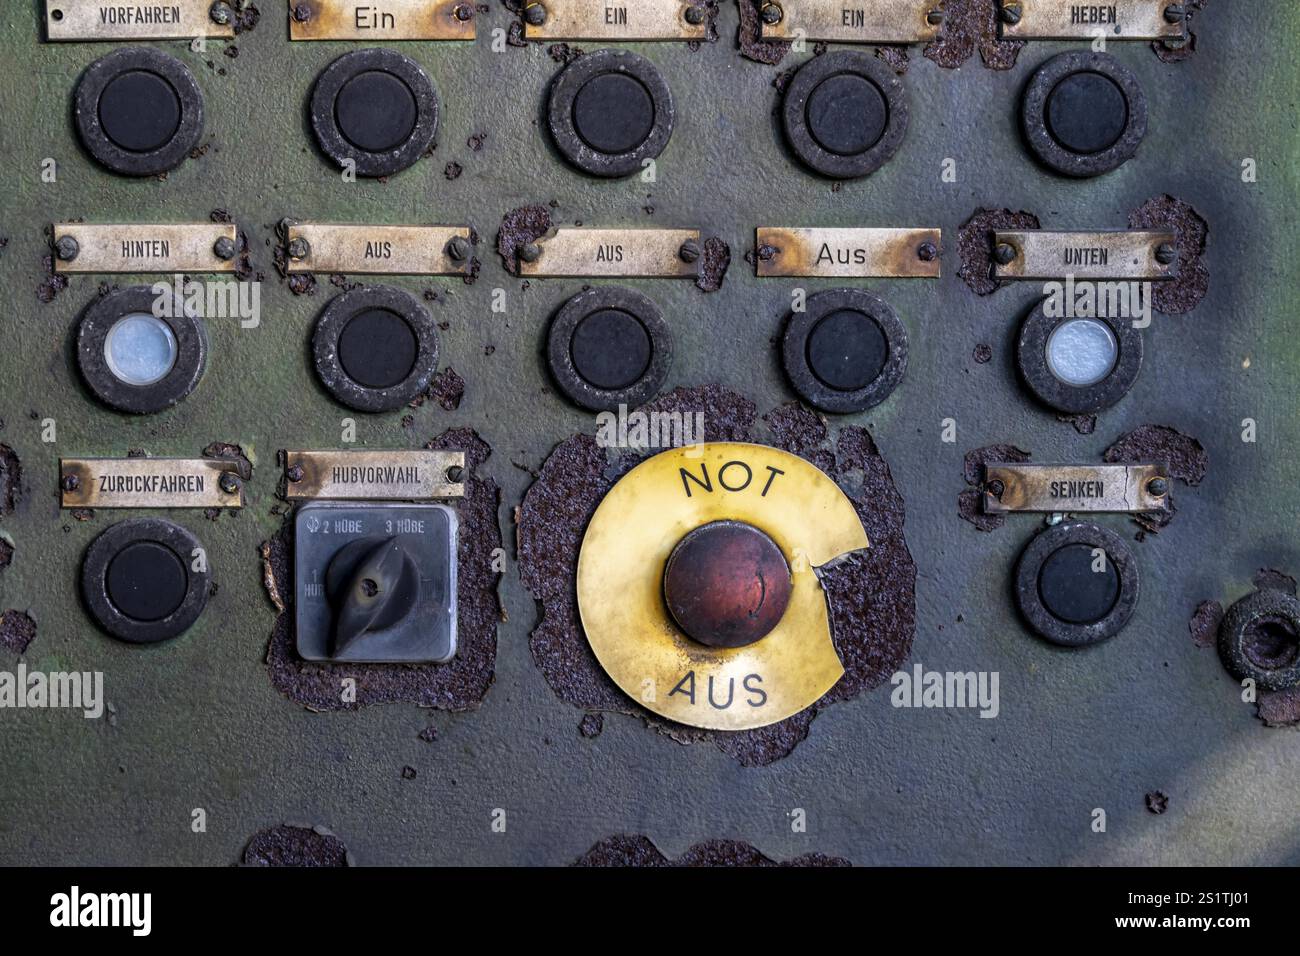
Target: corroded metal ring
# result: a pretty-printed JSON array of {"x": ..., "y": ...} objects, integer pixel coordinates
[
  {"x": 1031, "y": 358},
  {"x": 1242, "y": 622}
]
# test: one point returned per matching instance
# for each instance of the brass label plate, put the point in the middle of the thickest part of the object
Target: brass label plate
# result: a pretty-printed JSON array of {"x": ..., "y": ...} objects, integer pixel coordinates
[
  {"x": 379, "y": 250},
  {"x": 138, "y": 247},
  {"x": 404, "y": 475},
  {"x": 381, "y": 20},
  {"x": 1070, "y": 20},
  {"x": 854, "y": 21},
  {"x": 846, "y": 253},
  {"x": 620, "y": 583},
  {"x": 1085, "y": 255},
  {"x": 1048, "y": 488},
  {"x": 616, "y": 253},
  {"x": 148, "y": 483},
  {"x": 145, "y": 20},
  {"x": 616, "y": 20}
]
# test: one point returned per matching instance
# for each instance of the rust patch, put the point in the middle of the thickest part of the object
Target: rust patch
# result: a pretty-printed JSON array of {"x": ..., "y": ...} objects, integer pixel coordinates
[
  {"x": 52, "y": 284},
  {"x": 563, "y": 54},
  {"x": 871, "y": 595},
  {"x": 230, "y": 452},
  {"x": 447, "y": 389},
  {"x": 457, "y": 685},
  {"x": 295, "y": 845},
  {"x": 11, "y": 480},
  {"x": 1185, "y": 457},
  {"x": 1180, "y": 295},
  {"x": 983, "y": 354},
  {"x": 1157, "y": 802},
  {"x": 17, "y": 631},
  {"x": 244, "y": 270},
  {"x": 6, "y": 554},
  {"x": 520, "y": 227},
  {"x": 591, "y": 725},
  {"x": 975, "y": 245},
  {"x": 1279, "y": 708},
  {"x": 628, "y": 849},
  {"x": 1274, "y": 579},
  {"x": 970, "y": 503},
  {"x": 1178, "y": 53},
  {"x": 269, "y": 579},
  {"x": 971, "y": 25},
  {"x": 714, "y": 262},
  {"x": 895, "y": 57},
  {"x": 1204, "y": 625},
  {"x": 749, "y": 40},
  {"x": 1083, "y": 424}
]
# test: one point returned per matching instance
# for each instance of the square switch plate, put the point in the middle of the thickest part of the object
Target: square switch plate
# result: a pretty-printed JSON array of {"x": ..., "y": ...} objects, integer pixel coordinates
[{"x": 413, "y": 620}]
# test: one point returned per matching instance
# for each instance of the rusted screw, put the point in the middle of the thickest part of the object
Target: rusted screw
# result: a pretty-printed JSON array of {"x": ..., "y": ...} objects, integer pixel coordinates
[
  {"x": 535, "y": 14},
  {"x": 530, "y": 252},
  {"x": 224, "y": 248},
  {"x": 1004, "y": 254},
  {"x": 229, "y": 482},
  {"x": 772, "y": 14},
  {"x": 66, "y": 248},
  {"x": 1011, "y": 13},
  {"x": 1175, "y": 13},
  {"x": 301, "y": 12},
  {"x": 689, "y": 252},
  {"x": 927, "y": 252},
  {"x": 694, "y": 16},
  {"x": 221, "y": 13},
  {"x": 299, "y": 248},
  {"x": 1166, "y": 253},
  {"x": 455, "y": 473},
  {"x": 1159, "y": 487},
  {"x": 458, "y": 248},
  {"x": 464, "y": 12},
  {"x": 934, "y": 17},
  {"x": 294, "y": 473},
  {"x": 70, "y": 483},
  {"x": 996, "y": 487}
]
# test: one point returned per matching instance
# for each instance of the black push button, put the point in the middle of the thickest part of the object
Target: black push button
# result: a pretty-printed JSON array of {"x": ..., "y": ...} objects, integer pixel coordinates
[
  {"x": 137, "y": 357},
  {"x": 1077, "y": 584},
  {"x": 145, "y": 580},
  {"x": 1078, "y": 364},
  {"x": 610, "y": 111},
  {"x": 139, "y": 111},
  {"x": 1259, "y": 639},
  {"x": 1084, "y": 113},
  {"x": 376, "y": 349},
  {"x": 846, "y": 352},
  {"x": 375, "y": 583},
  {"x": 375, "y": 108},
  {"x": 609, "y": 347},
  {"x": 845, "y": 114}
]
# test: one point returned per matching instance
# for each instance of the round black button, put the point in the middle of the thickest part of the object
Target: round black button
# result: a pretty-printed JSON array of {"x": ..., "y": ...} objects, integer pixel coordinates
[
  {"x": 1084, "y": 113},
  {"x": 1076, "y": 584},
  {"x": 1075, "y": 364},
  {"x": 846, "y": 352},
  {"x": 145, "y": 580},
  {"x": 845, "y": 114},
  {"x": 137, "y": 357},
  {"x": 375, "y": 348},
  {"x": 609, "y": 112},
  {"x": 139, "y": 111},
  {"x": 376, "y": 109},
  {"x": 609, "y": 347},
  {"x": 1259, "y": 639}
]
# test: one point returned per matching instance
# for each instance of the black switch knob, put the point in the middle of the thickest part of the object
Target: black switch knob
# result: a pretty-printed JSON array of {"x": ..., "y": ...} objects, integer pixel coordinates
[
  {"x": 610, "y": 111},
  {"x": 374, "y": 584},
  {"x": 145, "y": 580},
  {"x": 1084, "y": 113},
  {"x": 375, "y": 108},
  {"x": 139, "y": 111},
  {"x": 845, "y": 114}
]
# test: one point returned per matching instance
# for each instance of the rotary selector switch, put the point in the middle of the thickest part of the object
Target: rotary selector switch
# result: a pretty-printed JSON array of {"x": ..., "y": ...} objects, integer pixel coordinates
[
  {"x": 698, "y": 587},
  {"x": 375, "y": 583}
]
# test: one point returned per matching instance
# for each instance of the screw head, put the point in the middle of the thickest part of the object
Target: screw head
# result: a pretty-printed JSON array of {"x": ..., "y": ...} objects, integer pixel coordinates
[
  {"x": 694, "y": 16},
  {"x": 772, "y": 13},
  {"x": 1166, "y": 253},
  {"x": 295, "y": 473},
  {"x": 66, "y": 248},
  {"x": 229, "y": 482},
  {"x": 927, "y": 252},
  {"x": 1159, "y": 487},
  {"x": 299, "y": 248},
  {"x": 1011, "y": 13},
  {"x": 464, "y": 12},
  {"x": 996, "y": 487},
  {"x": 70, "y": 483},
  {"x": 535, "y": 14},
  {"x": 458, "y": 248},
  {"x": 934, "y": 17},
  {"x": 530, "y": 252},
  {"x": 224, "y": 248},
  {"x": 1175, "y": 13},
  {"x": 220, "y": 13},
  {"x": 455, "y": 473},
  {"x": 301, "y": 12},
  {"x": 690, "y": 251},
  {"x": 1004, "y": 254}
]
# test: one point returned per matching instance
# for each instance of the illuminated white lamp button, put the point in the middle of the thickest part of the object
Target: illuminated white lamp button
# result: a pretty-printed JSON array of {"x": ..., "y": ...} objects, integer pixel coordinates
[
  {"x": 1082, "y": 352},
  {"x": 140, "y": 349}
]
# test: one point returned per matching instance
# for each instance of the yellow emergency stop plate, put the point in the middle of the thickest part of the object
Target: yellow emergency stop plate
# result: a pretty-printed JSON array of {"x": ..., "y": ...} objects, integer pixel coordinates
[{"x": 621, "y": 572}]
